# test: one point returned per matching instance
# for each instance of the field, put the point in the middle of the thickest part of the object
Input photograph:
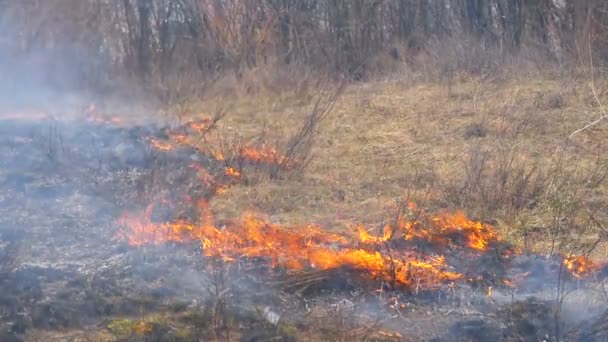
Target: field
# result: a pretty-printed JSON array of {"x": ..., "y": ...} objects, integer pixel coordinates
[
  {"x": 496, "y": 148},
  {"x": 507, "y": 151},
  {"x": 299, "y": 170}
]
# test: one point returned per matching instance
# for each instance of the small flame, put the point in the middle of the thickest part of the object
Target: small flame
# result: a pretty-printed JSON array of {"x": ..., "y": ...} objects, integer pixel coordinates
[
  {"x": 201, "y": 125},
  {"x": 262, "y": 154},
  {"x": 94, "y": 116},
  {"x": 221, "y": 189},
  {"x": 366, "y": 237},
  {"x": 265, "y": 153},
  {"x": 232, "y": 172},
  {"x": 218, "y": 155},
  {"x": 161, "y": 145},
  {"x": 579, "y": 266}
]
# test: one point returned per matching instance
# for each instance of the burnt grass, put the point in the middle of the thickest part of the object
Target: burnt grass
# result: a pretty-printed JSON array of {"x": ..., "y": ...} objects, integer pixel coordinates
[{"x": 64, "y": 184}]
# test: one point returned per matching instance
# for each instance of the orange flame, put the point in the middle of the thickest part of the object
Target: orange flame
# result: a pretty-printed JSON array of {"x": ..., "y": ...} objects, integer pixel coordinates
[
  {"x": 298, "y": 248},
  {"x": 232, "y": 172},
  {"x": 294, "y": 249},
  {"x": 94, "y": 116},
  {"x": 161, "y": 145},
  {"x": 579, "y": 266},
  {"x": 263, "y": 153},
  {"x": 201, "y": 125},
  {"x": 444, "y": 230}
]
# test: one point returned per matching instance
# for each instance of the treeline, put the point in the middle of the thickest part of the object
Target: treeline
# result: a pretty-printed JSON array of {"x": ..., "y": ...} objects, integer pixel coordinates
[{"x": 156, "y": 40}]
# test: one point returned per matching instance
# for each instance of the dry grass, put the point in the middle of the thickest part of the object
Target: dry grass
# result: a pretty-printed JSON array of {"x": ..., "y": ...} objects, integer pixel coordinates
[{"x": 385, "y": 140}]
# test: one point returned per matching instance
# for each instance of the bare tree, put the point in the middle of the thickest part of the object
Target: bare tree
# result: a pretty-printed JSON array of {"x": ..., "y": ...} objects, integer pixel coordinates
[{"x": 158, "y": 39}]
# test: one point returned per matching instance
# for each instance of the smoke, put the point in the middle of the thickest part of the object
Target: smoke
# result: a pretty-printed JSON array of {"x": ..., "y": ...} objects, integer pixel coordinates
[{"x": 42, "y": 66}]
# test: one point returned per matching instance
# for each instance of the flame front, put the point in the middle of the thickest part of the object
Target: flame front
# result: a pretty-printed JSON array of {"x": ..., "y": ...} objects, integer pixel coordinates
[{"x": 294, "y": 248}]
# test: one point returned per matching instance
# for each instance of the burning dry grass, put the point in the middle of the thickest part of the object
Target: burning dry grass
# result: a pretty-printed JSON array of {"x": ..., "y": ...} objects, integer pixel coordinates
[
  {"x": 386, "y": 257},
  {"x": 384, "y": 139},
  {"x": 298, "y": 248}
]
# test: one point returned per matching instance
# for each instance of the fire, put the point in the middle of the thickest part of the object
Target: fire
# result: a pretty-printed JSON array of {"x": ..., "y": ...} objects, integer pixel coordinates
[
  {"x": 217, "y": 155},
  {"x": 221, "y": 189},
  {"x": 201, "y": 125},
  {"x": 366, "y": 237},
  {"x": 313, "y": 247},
  {"x": 161, "y": 145},
  {"x": 143, "y": 231},
  {"x": 179, "y": 138},
  {"x": 265, "y": 153},
  {"x": 105, "y": 120},
  {"x": 394, "y": 255},
  {"x": 579, "y": 266},
  {"x": 292, "y": 248},
  {"x": 478, "y": 235},
  {"x": 232, "y": 172},
  {"x": 445, "y": 229},
  {"x": 254, "y": 154}
]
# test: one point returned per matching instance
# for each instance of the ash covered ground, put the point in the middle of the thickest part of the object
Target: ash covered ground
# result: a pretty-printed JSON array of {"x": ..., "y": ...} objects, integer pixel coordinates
[{"x": 67, "y": 276}]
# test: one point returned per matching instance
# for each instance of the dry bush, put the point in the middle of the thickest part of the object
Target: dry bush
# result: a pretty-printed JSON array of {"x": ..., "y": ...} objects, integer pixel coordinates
[
  {"x": 279, "y": 156},
  {"x": 498, "y": 181},
  {"x": 298, "y": 147},
  {"x": 219, "y": 292}
]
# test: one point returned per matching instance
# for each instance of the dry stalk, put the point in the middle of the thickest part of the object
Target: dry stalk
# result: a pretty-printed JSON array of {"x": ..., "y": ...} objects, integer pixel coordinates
[{"x": 592, "y": 86}]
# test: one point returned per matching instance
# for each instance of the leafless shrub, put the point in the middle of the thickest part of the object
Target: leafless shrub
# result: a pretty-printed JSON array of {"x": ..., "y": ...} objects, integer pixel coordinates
[
  {"x": 503, "y": 182},
  {"x": 296, "y": 153},
  {"x": 219, "y": 293},
  {"x": 277, "y": 157},
  {"x": 572, "y": 235},
  {"x": 549, "y": 101}
]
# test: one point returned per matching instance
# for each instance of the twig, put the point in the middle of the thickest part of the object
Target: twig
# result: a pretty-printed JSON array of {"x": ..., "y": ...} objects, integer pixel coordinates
[{"x": 604, "y": 113}]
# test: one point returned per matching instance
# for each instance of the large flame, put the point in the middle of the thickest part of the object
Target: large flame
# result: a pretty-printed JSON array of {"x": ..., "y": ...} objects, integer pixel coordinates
[{"x": 297, "y": 248}]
